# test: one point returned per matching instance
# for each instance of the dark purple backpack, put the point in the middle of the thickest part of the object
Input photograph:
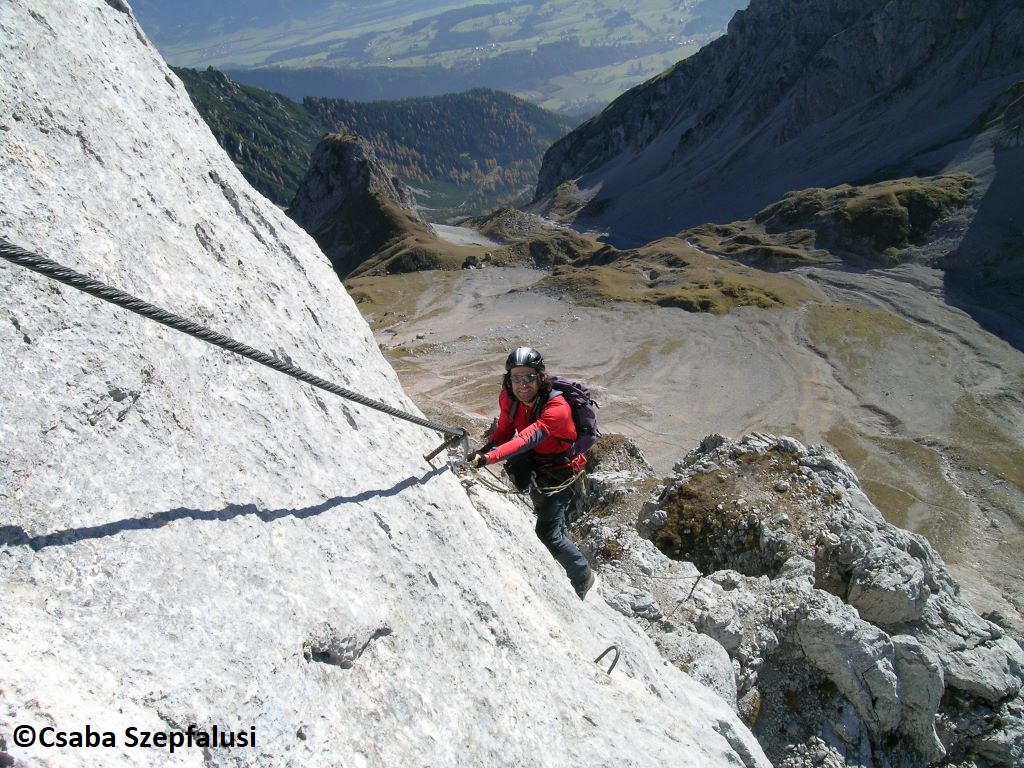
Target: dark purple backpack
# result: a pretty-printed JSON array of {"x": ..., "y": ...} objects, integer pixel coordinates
[{"x": 584, "y": 412}]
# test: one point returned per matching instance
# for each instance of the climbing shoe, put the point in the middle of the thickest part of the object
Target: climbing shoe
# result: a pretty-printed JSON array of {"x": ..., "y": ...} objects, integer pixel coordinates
[{"x": 583, "y": 588}]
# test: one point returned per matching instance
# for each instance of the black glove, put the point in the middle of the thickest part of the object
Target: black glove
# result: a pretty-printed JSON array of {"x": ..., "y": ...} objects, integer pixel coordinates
[{"x": 477, "y": 459}]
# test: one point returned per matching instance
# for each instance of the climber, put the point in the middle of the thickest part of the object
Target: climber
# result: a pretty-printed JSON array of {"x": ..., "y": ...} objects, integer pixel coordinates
[{"x": 534, "y": 429}]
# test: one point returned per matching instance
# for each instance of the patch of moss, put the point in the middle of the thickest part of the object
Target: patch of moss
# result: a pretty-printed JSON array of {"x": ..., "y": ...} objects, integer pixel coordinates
[
  {"x": 612, "y": 550},
  {"x": 749, "y": 244},
  {"x": 853, "y": 335},
  {"x": 720, "y": 296},
  {"x": 639, "y": 357},
  {"x": 508, "y": 225},
  {"x": 988, "y": 443},
  {"x": 416, "y": 253},
  {"x": 385, "y": 299},
  {"x": 876, "y": 221},
  {"x": 549, "y": 249},
  {"x": 690, "y": 507},
  {"x": 582, "y": 286},
  {"x": 670, "y": 273},
  {"x": 566, "y": 202},
  {"x": 713, "y": 522},
  {"x": 844, "y": 440}
]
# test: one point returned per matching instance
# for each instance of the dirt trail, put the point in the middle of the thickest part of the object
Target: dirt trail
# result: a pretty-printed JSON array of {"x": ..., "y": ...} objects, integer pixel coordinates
[{"x": 911, "y": 391}]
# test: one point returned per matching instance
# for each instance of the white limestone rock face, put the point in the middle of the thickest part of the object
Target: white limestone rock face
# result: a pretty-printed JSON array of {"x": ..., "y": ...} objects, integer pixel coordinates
[{"x": 189, "y": 538}]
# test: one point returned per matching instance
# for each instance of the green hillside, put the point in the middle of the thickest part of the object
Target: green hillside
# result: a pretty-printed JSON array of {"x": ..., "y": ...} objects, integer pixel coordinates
[
  {"x": 269, "y": 137},
  {"x": 462, "y": 153}
]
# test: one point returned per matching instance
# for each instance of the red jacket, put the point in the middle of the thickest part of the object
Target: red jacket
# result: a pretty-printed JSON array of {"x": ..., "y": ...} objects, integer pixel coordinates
[{"x": 547, "y": 438}]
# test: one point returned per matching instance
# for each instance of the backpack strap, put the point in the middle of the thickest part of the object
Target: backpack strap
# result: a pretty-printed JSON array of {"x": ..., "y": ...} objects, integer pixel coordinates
[
  {"x": 537, "y": 407},
  {"x": 535, "y": 413}
]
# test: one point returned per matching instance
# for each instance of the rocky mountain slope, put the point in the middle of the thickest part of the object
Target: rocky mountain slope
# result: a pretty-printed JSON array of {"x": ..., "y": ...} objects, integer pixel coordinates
[
  {"x": 351, "y": 204},
  {"x": 797, "y": 95},
  {"x": 364, "y": 218},
  {"x": 189, "y": 541}
]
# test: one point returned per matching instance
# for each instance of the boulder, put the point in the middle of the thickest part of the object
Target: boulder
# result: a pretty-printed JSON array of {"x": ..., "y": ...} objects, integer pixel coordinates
[
  {"x": 857, "y": 657},
  {"x": 921, "y": 685}
]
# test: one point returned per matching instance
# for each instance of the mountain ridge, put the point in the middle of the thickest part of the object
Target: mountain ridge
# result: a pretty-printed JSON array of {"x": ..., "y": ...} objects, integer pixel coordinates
[
  {"x": 788, "y": 100},
  {"x": 486, "y": 141},
  {"x": 269, "y": 137}
]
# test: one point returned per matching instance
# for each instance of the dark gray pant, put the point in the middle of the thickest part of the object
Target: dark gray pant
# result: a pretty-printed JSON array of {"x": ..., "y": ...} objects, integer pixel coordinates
[
  {"x": 550, "y": 528},
  {"x": 552, "y": 513}
]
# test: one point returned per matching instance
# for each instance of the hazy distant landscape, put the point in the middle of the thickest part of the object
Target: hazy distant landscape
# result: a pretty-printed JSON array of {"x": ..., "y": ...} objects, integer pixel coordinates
[{"x": 571, "y": 56}]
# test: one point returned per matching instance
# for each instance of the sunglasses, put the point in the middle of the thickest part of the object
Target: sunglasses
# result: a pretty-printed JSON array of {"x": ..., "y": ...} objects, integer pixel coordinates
[{"x": 528, "y": 378}]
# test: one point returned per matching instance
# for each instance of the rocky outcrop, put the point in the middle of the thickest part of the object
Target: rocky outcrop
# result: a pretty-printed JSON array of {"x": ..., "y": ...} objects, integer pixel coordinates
[
  {"x": 351, "y": 204},
  {"x": 845, "y": 639},
  {"x": 796, "y": 95},
  {"x": 880, "y": 223}
]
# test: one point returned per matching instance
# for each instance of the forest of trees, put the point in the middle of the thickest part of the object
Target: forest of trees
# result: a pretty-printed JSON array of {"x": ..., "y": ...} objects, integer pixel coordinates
[
  {"x": 464, "y": 153},
  {"x": 485, "y": 140}
]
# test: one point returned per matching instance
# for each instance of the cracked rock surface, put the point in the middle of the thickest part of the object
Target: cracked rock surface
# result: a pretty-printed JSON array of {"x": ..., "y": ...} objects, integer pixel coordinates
[{"x": 845, "y": 639}]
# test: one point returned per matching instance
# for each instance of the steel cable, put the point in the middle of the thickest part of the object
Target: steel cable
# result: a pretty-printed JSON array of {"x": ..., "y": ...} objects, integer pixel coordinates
[{"x": 62, "y": 274}]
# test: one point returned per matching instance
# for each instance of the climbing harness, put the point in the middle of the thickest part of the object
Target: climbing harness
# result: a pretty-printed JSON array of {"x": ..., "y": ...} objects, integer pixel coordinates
[
  {"x": 498, "y": 485},
  {"x": 62, "y": 274},
  {"x": 461, "y": 467},
  {"x": 551, "y": 490}
]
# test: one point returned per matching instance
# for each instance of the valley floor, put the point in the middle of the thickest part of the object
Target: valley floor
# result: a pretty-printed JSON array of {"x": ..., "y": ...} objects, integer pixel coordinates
[{"x": 924, "y": 404}]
